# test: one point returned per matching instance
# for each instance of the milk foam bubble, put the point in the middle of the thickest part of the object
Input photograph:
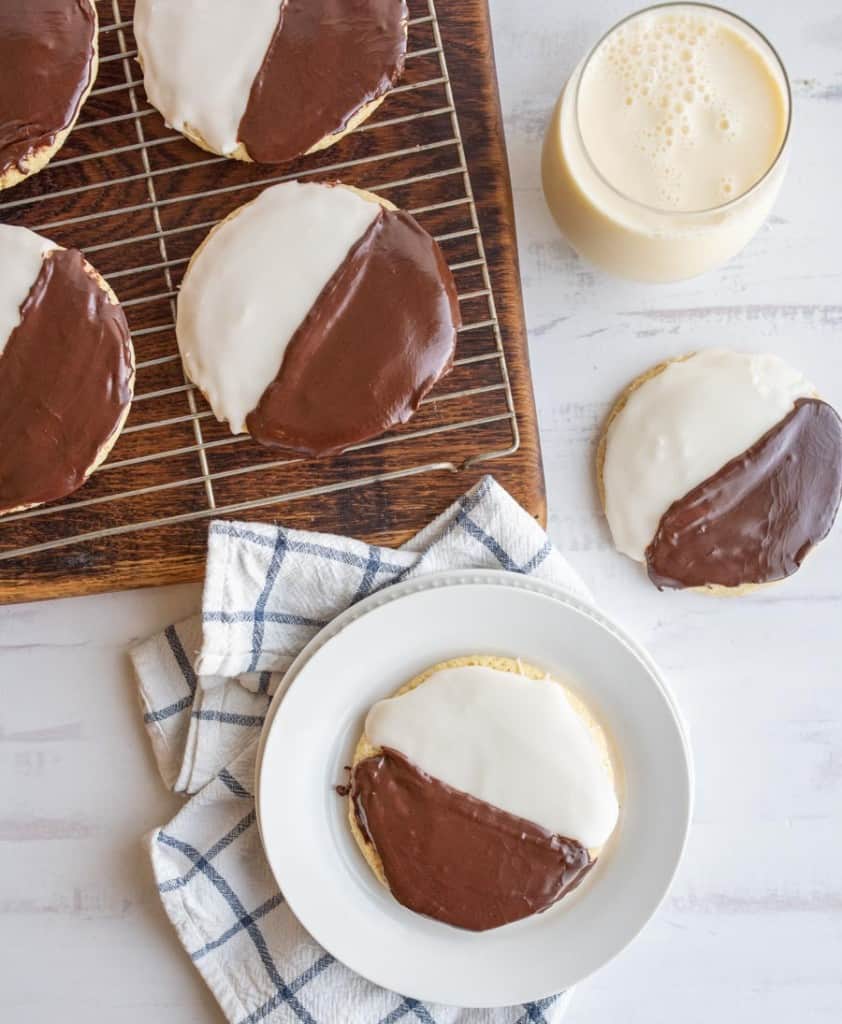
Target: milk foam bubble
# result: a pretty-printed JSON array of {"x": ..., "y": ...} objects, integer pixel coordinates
[{"x": 680, "y": 110}]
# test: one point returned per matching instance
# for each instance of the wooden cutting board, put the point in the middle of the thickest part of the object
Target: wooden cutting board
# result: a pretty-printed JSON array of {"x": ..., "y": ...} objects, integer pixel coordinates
[{"x": 138, "y": 199}]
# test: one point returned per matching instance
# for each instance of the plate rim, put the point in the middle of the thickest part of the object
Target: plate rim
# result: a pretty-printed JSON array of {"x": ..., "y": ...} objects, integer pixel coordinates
[{"x": 497, "y": 578}]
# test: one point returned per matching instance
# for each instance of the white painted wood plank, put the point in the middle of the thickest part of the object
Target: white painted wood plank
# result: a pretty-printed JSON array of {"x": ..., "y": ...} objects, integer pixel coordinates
[{"x": 82, "y": 932}]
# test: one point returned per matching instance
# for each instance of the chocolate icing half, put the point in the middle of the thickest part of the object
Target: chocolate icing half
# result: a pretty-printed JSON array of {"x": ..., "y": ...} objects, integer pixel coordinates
[
  {"x": 453, "y": 857},
  {"x": 65, "y": 381},
  {"x": 756, "y": 519},
  {"x": 327, "y": 59},
  {"x": 380, "y": 334},
  {"x": 46, "y": 55}
]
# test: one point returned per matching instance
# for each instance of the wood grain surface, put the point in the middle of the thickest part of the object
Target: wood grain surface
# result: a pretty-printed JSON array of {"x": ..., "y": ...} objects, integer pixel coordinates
[{"x": 138, "y": 199}]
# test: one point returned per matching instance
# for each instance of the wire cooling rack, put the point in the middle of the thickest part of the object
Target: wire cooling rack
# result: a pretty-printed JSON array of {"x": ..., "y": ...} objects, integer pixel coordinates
[{"x": 138, "y": 199}]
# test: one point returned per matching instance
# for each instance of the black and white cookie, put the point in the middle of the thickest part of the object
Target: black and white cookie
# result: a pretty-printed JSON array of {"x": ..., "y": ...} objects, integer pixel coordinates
[
  {"x": 48, "y": 65},
  {"x": 66, "y": 369},
  {"x": 482, "y": 792},
  {"x": 284, "y": 78},
  {"x": 721, "y": 470},
  {"x": 317, "y": 317}
]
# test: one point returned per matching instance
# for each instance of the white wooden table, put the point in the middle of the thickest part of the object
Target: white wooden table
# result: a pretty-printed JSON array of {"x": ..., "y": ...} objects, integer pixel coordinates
[{"x": 752, "y": 930}]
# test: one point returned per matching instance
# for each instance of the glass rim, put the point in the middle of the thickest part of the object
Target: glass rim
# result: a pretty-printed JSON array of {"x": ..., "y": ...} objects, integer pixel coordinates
[{"x": 729, "y": 203}]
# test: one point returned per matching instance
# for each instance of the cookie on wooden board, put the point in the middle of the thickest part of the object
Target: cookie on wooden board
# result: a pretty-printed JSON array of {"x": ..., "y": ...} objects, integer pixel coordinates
[
  {"x": 317, "y": 317},
  {"x": 481, "y": 792},
  {"x": 720, "y": 471},
  {"x": 293, "y": 77},
  {"x": 48, "y": 65},
  {"x": 66, "y": 369}
]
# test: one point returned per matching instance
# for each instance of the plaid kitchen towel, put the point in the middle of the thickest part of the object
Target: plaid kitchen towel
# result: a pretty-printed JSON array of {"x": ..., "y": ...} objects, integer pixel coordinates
[{"x": 205, "y": 685}]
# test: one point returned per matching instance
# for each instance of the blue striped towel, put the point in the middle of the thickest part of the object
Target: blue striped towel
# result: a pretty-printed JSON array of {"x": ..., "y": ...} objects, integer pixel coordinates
[{"x": 205, "y": 685}]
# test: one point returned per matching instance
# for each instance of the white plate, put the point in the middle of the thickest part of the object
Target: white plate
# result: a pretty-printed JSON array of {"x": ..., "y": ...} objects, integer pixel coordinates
[{"x": 310, "y": 734}]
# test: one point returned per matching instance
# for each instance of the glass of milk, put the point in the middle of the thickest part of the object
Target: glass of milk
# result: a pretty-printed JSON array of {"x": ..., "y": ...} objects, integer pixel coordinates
[{"x": 668, "y": 145}]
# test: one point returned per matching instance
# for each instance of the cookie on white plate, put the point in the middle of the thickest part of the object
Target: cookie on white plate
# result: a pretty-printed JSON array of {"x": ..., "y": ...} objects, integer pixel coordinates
[
  {"x": 720, "y": 471},
  {"x": 317, "y": 317},
  {"x": 66, "y": 369},
  {"x": 287, "y": 78},
  {"x": 48, "y": 65},
  {"x": 482, "y": 792}
]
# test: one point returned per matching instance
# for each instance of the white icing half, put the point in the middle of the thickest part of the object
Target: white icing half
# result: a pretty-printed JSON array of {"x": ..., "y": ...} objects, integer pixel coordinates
[
  {"x": 682, "y": 426},
  {"x": 515, "y": 743},
  {"x": 253, "y": 283},
  {"x": 21, "y": 253},
  {"x": 200, "y": 59}
]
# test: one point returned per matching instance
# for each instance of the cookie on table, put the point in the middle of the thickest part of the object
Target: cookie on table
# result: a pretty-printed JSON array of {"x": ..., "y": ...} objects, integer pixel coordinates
[
  {"x": 482, "y": 792},
  {"x": 66, "y": 369},
  {"x": 720, "y": 471},
  {"x": 316, "y": 317},
  {"x": 291, "y": 77},
  {"x": 48, "y": 65}
]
